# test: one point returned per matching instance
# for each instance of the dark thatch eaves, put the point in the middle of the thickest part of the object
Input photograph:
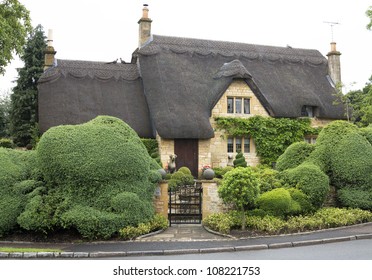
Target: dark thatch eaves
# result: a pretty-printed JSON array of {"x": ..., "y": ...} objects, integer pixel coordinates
[
  {"x": 184, "y": 79},
  {"x": 75, "y": 92}
]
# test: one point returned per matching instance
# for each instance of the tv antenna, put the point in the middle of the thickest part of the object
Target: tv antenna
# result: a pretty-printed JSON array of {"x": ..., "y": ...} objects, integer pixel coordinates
[{"x": 331, "y": 24}]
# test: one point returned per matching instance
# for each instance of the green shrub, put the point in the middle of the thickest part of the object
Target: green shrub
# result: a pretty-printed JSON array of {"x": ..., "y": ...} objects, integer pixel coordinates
[
  {"x": 132, "y": 207},
  {"x": 367, "y": 133},
  {"x": 294, "y": 155},
  {"x": 277, "y": 202},
  {"x": 6, "y": 143},
  {"x": 266, "y": 224},
  {"x": 182, "y": 177},
  {"x": 11, "y": 206},
  {"x": 269, "y": 178},
  {"x": 105, "y": 173},
  {"x": 303, "y": 201},
  {"x": 240, "y": 160},
  {"x": 157, "y": 223},
  {"x": 185, "y": 170},
  {"x": 219, "y": 222},
  {"x": 310, "y": 180},
  {"x": 355, "y": 198},
  {"x": 352, "y": 162},
  {"x": 92, "y": 223},
  {"x": 221, "y": 171},
  {"x": 328, "y": 140},
  {"x": 15, "y": 167},
  {"x": 240, "y": 187}
]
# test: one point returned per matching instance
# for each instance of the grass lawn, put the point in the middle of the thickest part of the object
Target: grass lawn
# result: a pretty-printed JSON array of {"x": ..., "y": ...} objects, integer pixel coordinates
[{"x": 27, "y": 250}]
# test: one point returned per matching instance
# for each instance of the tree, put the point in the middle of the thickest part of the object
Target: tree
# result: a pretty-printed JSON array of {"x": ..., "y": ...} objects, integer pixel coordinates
[
  {"x": 361, "y": 105},
  {"x": 24, "y": 101},
  {"x": 240, "y": 187},
  {"x": 369, "y": 15},
  {"x": 4, "y": 115},
  {"x": 15, "y": 24}
]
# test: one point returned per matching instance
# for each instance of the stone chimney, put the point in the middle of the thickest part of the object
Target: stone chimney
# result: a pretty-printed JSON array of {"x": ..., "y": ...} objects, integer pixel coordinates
[
  {"x": 49, "y": 52},
  {"x": 334, "y": 65},
  {"x": 144, "y": 26}
]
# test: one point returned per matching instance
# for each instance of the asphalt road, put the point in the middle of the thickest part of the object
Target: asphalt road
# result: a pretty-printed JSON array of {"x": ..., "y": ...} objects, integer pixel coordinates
[{"x": 351, "y": 250}]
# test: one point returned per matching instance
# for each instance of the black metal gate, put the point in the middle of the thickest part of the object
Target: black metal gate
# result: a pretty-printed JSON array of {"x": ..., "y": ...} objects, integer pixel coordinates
[{"x": 185, "y": 205}]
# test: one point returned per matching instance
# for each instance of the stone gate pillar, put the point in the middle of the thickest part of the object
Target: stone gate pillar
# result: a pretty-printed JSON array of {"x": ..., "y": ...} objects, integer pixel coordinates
[
  {"x": 212, "y": 203},
  {"x": 161, "y": 199}
]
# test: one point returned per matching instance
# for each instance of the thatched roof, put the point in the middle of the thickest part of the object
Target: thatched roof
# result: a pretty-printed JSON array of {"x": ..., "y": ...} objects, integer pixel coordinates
[
  {"x": 184, "y": 79},
  {"x": 178, "y": 81},
  {"x": 74, "y": 92}
]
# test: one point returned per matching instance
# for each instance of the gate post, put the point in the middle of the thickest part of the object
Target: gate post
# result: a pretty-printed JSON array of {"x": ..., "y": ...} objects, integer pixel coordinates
[
  {"x": 212, "y": 203},
  {"x": 161, "y": 199}
]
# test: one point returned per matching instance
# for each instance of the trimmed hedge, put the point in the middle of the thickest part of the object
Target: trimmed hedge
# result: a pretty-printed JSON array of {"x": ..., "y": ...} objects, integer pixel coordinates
[
  {"x": 352, "y": 162},
  {"x": 310, "y": 180},
  {"x": 277, "y": 202},
  {"x": 100, "y": 178},
  {"x": 15, "y": 167},
  {"x": 294, "y": 155}
]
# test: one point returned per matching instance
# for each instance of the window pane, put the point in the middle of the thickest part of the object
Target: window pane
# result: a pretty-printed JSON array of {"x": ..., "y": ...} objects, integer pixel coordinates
[
  {"x": 247, "y": 145},
  {"x": 238, "y": 105},
  {"x": 230, "y": 145},
  {"x": 238, "y": 145},
  {"x": 247, "y": 106},
  {"x": 230, "y": 105}
]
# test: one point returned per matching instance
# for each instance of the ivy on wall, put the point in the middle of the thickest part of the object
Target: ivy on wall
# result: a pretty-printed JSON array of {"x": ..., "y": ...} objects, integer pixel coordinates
[{"x": 271, "y": 135}]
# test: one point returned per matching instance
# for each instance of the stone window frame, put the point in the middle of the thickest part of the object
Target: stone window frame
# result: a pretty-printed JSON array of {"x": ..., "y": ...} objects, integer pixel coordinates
[
  {"x": 311, "y": 139},
  {"x": 236, "y": 144},
  {"x": 232, "y": 106}
]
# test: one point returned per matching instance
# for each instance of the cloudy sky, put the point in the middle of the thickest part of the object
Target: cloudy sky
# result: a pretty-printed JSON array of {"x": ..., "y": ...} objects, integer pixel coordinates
[{"x": 107, "y": 30}]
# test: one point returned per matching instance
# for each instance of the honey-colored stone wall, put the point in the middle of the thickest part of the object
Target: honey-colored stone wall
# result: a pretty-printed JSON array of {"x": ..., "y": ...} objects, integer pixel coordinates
[
  {"x": 218, "y": 144},
  {"x": 160, "y": 199},
  {"x": 212, "y": 203}
]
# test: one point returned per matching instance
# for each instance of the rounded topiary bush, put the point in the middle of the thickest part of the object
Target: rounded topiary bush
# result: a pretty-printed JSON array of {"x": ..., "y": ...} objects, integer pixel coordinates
[
  {"x": 294, "y": 155},
  {"x": 352, "y": 162},
  {"x": 100, "y": 178},
  {"x": 310, "y": 180},
  {"x": 102, "y": 150},
  {"x": 277, "y": 202}
]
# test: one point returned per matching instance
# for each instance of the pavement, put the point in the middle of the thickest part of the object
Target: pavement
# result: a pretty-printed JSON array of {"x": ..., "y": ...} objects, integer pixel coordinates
[{"x": 185, "y": 239}]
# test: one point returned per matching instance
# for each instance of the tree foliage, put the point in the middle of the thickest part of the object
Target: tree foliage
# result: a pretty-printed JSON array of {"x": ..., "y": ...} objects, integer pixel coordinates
[
  {"x": 15, "y": 23},
  {"x": 240, "y": 187},
  {"x": 4, "y": 116},
  {"x": 360, "y": 102},
  {"x": 369, "y": 15},
  {"x": 24, "y": 100}
]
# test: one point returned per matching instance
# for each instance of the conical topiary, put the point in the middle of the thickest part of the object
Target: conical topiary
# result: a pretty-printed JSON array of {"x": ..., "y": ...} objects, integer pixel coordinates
[{"x": 240, "y": 160}]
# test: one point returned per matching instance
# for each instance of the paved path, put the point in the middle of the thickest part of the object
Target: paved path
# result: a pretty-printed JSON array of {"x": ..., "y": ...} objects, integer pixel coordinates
[{"x": 184, "y": 233}]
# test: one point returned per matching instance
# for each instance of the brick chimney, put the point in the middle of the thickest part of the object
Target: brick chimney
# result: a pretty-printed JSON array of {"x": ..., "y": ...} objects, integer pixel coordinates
[
  {"x": 334, "y": 64},
  {"x": 144, "y": 26},
  {"x": 49, "y": 52}
]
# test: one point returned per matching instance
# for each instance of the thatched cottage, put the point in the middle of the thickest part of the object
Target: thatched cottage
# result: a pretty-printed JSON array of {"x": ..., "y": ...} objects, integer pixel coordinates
[{"x": 173, "y": 89}]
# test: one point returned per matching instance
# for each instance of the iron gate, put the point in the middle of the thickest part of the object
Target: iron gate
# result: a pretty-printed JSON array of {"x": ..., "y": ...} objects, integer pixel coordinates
[{"x": 185, "y": 205}]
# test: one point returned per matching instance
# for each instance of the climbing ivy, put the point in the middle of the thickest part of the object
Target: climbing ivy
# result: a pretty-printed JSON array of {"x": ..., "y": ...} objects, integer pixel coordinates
[{"x": 271, "y": 135}]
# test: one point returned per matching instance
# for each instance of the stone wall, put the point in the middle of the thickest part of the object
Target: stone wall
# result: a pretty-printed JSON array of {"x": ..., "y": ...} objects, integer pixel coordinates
[
  {"x": 212, "y": 203},
  {"x": 218, "y": 145}
]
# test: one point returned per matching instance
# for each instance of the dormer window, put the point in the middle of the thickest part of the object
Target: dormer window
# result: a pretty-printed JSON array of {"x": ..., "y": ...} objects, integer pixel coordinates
[
  {"x": 238, "y": 105},
  {"x": 308, "y": 111}
]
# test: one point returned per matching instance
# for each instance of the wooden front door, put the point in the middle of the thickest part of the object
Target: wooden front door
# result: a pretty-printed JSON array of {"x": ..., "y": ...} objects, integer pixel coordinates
[{"x": 187, "y": 151}]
